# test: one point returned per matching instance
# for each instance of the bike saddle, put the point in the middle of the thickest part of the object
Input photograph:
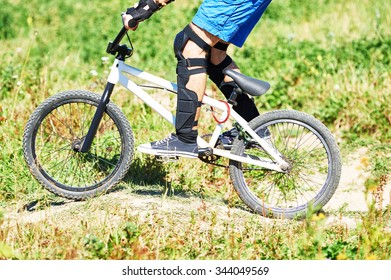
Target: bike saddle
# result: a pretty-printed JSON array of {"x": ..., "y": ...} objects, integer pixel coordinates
[{"x": 249, "y": 85}]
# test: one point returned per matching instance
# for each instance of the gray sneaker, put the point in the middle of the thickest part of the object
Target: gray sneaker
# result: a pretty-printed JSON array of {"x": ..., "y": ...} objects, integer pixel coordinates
[
  {"x": 227, "y": 138},
  {"x": 170, "y": 146}
]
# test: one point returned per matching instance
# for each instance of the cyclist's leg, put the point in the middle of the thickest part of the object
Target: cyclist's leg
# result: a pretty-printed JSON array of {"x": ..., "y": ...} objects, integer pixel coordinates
[
  {"x": 219, "y": 60},
  {"x": 245, "y": 107},
  {"x": 231, "y": 21},
  {"x": 192, "y": 48}
]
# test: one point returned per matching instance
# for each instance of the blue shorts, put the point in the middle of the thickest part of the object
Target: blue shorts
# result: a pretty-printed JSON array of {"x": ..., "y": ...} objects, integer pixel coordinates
[{"x": 230, "y": 20}]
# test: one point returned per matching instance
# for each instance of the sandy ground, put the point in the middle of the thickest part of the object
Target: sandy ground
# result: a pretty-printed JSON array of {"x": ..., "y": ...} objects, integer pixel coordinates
[
  {"x": 351, "y": 195},
  {"x": 351, "y": 191}
]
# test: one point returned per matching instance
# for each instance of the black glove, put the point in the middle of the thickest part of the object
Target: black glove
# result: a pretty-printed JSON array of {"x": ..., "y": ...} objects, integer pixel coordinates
[{"x": 143, "y": 10}]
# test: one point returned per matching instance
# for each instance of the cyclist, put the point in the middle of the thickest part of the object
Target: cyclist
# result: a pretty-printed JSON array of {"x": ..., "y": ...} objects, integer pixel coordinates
[{"x": 200, "y": 49}]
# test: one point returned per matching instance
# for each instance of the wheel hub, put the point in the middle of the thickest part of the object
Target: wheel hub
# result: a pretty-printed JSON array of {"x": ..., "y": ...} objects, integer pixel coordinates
[{"x": 77, "y": 144}]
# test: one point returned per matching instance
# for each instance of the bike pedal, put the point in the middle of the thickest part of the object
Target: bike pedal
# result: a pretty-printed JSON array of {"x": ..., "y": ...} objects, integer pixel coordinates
[
  {"x": 167, "y": 158},
  {"x": 205, "y": 152}
]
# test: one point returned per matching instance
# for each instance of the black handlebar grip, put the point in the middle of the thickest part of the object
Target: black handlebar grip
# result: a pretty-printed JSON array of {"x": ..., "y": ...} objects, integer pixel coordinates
[{"x": 132, "y": 23}]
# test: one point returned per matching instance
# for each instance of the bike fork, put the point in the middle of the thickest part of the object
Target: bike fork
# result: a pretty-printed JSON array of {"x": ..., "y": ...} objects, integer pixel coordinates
[{"x": 86, "y": 144}]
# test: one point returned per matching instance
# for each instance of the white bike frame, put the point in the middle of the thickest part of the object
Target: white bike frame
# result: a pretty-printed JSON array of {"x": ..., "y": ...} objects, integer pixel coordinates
[{"x": 116, "y": 76}]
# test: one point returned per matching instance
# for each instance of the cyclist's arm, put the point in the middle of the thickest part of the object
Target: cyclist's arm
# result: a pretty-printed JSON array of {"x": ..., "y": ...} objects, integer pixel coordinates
[{"x": 142, "y": 11}]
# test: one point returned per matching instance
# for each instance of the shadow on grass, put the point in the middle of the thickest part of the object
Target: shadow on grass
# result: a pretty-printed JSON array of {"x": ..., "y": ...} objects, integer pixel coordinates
[
  {"x": 148, "y": 177},
  {"x": 145, "y": 172}
]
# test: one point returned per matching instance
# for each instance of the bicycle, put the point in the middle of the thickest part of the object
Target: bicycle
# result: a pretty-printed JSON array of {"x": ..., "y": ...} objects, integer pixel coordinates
[{"x": 79, "y": 144}]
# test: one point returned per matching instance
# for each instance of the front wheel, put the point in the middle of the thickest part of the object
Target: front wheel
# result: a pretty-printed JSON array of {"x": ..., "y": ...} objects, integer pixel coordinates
[
  {"x": 52, "y": 135},
  {"x": 314, "y": 166}
]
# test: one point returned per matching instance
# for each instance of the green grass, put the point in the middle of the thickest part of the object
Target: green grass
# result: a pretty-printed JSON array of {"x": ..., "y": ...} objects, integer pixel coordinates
[
  {"x": 117, "y": 233},
  {"x": 328, "y": 58}
]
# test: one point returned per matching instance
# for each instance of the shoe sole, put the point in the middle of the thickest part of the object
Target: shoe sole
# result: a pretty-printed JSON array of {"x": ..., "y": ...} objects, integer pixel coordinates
[{"x": 166, "y": 153}]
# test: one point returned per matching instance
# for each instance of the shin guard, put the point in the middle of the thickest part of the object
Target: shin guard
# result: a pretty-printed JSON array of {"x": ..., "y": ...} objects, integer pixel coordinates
[
  {"x": 246, "y": 107},
  {"x": 187, "y": 100}
]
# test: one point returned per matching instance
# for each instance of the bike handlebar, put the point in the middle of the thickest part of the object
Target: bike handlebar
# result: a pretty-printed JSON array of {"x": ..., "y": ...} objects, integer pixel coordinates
[
  {"x": 132, "y": 23},
  {"x": 114, "y": 45}
]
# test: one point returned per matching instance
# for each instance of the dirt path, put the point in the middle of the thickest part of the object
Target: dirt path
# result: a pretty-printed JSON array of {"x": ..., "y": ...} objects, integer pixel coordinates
[
  {"x": 350, "y": 194},
  {"x": 349, "y": 197}
]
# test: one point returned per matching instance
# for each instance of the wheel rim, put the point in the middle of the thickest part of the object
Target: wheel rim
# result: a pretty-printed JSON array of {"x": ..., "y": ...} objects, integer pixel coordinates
[
  {"x": 54, "y": 151},
  {"x": 309, "y": 173}
]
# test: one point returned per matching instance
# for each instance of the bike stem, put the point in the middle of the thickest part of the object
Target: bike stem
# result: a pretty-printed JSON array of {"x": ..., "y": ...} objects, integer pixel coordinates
[{"x": 97, "y": 118}]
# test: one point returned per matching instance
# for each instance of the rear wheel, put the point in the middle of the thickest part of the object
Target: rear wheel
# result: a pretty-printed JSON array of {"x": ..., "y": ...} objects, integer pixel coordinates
[
  {"x": 314, "y": 166},
  {"x": 57, "y": 128}
]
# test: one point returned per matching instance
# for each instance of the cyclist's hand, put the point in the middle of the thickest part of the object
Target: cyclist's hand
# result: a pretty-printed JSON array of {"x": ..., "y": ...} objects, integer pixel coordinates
[
  {"x": 126, "y": 18},
  {"x": 162, "y": 2}
]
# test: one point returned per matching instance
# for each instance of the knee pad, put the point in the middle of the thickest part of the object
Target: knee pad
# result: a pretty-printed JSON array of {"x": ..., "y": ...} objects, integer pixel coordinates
[
  {"x": 187, "y": 100},
  {"x": 183, "y": 37},
  {"x": 245, "y": 105}
]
